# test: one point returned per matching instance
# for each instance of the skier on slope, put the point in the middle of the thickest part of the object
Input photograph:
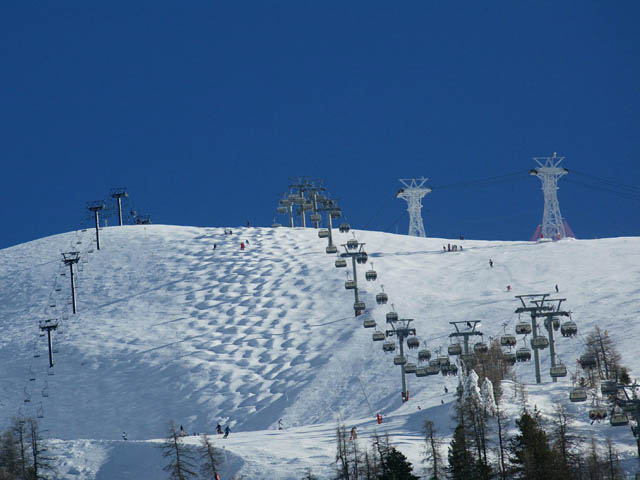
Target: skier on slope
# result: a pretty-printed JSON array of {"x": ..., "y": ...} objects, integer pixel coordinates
[
  {"x": 491, "y": 263},
  {"x": 219, "y": 429},
  {"x": 227, "y": 431},
  {"x": 241, "y": 245}
]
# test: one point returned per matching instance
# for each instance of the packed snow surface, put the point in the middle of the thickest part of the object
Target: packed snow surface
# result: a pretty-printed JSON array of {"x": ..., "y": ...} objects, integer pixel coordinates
[{"x": 169, "y": 328}]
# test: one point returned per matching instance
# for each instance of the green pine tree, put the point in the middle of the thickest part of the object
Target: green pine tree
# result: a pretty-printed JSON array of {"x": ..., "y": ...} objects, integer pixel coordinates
[
  {"x": 531, "y": 456},
  {"x": 398, "y": 467},
  {"x": 461, "y": 461}
]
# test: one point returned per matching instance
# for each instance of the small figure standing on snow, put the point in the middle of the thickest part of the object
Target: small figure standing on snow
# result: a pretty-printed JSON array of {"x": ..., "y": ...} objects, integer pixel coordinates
[
  {"x": 379, "y": 418},
  {"x": 491, "y": 263},
  {"x": 557, "y": 288},
  {"x": 354, "y": 434},
  {"x": 241, "y": 245},
  {"x": 124, "y": 435},
  {"x": 214, "y": 247},
  {"x": 227, "y": 430},
  {"x": 446, "y": 390},
  {"x": 219, "y": 429},
  {"x": 182, "y": 433},
  {"x": 508, "y": 288},
  {"x": 280, "y": 424}
]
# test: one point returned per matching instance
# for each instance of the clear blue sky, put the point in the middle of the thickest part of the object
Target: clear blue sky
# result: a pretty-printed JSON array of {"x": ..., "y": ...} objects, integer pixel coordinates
[{"x": 203, "y": 110}]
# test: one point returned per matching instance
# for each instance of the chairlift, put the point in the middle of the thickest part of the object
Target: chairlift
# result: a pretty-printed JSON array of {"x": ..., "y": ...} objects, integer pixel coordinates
[
  {"x": 45, "y": 391},
  {"x": 362, "y": 258},
  {"x": 578, "y": 394},
  {"x": 509, "y": 358},
  {"x": 370, "y": 275},
  {"x": 480, "y": 347},
  {"x": 421, "y": 372},
  {"x": 523, "y": 354},
  {"x": 341, "y": 263},
  {"x": 344, "y": 228},
  {"x": 369, "y": 323},
  {"x": 323, "y": 233},
  {"x": 410, "y": 368},
  {"x": 413, "y": 342},
  {"x": 389, "y": 347},
  {"x": 523, "y": 328},
  {"x": 40, "y": 412},
  {"x": 307, "y": 205},
  {"x": 276, "y": 225},
  {"x": 352, "y": 244},
  {"x": 285, "y": 202},
  {"x": 469, "y": 358},
  {"x": 378, "y": 336},
  {"x": 569, "y": 329},
  {"x": 392, "y": 317},
  {"x": 58, "y": 289},
  {"x": 295, "y": 198},
  {"x": 443, "y": 360},
  {"x": 588, "y": 361},
  {"x": 399, "y": 360},
  {"x": 335, "y": 212},
  {"x": 445, "y": 369},
  {"x": 598, "y": 413},
  {"x": 315, "y": 217},
  {"x": 382, "y": 298},
  {"x": 350, "y": 284},
  {"x": 540, "y": 342},
  {"x": 619, "y": 420},
  {"x": 556, "y": 324},
  {"x": 609, "y": 387},
  {"x": 558, "y": 371},
  {"x": 424, "y": 355},
  {"x": 508, "y": 340},
  {"x": 50, "y": 371},
  {"x": 359, "y": 306},
  {"x": 331, "y": 249},
  {"x": 282, "y": 210},
  {"x": 432, "y": 369},
  {"x": 454, "y": 349}
]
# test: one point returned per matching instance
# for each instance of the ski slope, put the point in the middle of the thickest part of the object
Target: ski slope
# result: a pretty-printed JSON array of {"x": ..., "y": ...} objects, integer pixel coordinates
[{"x": 170, "y": 329}]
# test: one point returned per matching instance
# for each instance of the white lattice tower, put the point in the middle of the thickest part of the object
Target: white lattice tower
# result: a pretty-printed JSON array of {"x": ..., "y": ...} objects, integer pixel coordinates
[
  {"x": 549, "y": 172},
  {"x": 412, "y": 193}
]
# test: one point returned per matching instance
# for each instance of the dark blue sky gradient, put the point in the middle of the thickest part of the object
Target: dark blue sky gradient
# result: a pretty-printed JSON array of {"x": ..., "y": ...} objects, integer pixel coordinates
[{"x": 203, "y": 110}]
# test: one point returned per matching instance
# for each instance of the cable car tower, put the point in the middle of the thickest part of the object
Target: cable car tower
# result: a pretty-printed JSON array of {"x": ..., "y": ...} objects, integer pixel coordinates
[
  {"x": 549, "y": 172},
  {"x": 412, "y": 193}
]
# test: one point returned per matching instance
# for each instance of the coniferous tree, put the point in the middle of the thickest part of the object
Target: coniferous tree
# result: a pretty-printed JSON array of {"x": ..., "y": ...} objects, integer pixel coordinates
[
  {"x": 9, "y": 457},
  {"x": 461, "y": 461},
  {"x": 531, "y": 456},
  {"x": 398, "y": 467},
  {"x": 42, "y": 464},
  {"x": 342, "y": 453},
  {"x": 181, "y": 461}
]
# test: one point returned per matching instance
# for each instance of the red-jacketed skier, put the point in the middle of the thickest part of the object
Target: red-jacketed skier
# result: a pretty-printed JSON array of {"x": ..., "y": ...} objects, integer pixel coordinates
[{"x": 241, "y": 245}]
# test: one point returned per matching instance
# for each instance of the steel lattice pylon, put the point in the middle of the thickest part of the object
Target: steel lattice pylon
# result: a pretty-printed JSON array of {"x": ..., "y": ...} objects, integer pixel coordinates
[
  {"x": 412, "y": 193},
  {"x": 549, "y": 172}
]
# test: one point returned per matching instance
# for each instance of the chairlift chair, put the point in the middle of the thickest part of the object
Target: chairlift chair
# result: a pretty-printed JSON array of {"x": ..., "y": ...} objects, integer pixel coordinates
[
  {"x": 619, "y": 420},
  {"x": 523, "y": 354},
  {"x": 410, "y": 368},
  {"x": 399, "y": 360},
  {"x": 282, "y": 210},
  {"x": 315, "y": 217},
  {"x": 421, "y": 372},
  {"x": 331, "y": 249},
  {"x": 588, "y": 361},
  {"x": 424, "y": 355},
  {"x": 598, "y": 413},
  {"x": 307, "y": 205},
  {"x": 389, "y": 347},
  {"x": 509, "y": 358},
  {"x": 480, "y": 347},
  {"x": 454, "y": 349},
  {"x": 369, "y": 323},
  {"x": 578, "y": 394},
  {"x": 540, "y": 342},
  {"x": 335, "y": 212},
  {"x": 413, "y": 342},
  {"x": 432, "y": 369},
  {"x": 609, "y": 387},
  {"x": 344, "y": 228},
  {"x": 443, "y": 360},
  {"x": 362, "y": 258},
  {"x": 558, "y": 371},
  {"x": 359, "y": 306},
  {"x": 276, "y": 225},
  {"x": 341, "y": 263},
  {"x": 392, "y": 317},
  {"x": 370, "y": 275},
  {"x": 378, "y": 336},
  {"x": 569, "y": 329},
  {"x": 508, "y": 340},
  {"x": 352, "y": 244},
  {"x": 523, "y": 328},
  {"x": 556, "y": 324},
  {"x": 382, "y": 298}
]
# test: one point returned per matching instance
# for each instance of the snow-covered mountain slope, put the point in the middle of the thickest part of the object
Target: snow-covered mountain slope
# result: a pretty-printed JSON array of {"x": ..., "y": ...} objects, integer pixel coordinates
[{"x": 169, "y": 328}]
